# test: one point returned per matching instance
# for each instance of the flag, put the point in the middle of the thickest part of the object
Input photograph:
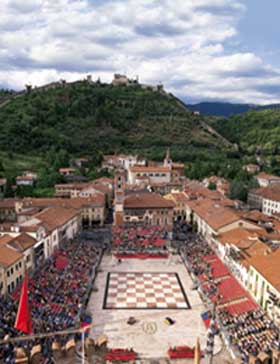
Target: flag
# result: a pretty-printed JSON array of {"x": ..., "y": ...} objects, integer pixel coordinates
[
  {"x": 197, "y": 352},
  {"x": 23, "y": 321}
]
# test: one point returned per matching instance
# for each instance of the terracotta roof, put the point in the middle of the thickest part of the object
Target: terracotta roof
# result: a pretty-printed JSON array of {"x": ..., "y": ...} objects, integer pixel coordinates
[
  {"x": 29, "y": 211},
  {"x": 101, "y": 187},
  {"x": 223, "y": 187},
  {"x": 247, "y": 241},
  {"x": 213, "y": 212},
  {"x": 195, "y": 190},
  {"x": 256, "y": 216},
  {"x": 271, "y": 192},
  {"x": 31, "y": 228},
  {"x": 22, "y": 242},
  {"x": 55, "y": 217},
  {"x": 268, "y": 267},
  {"x": 8, "y": 203},
  {"x": 179, "y": 197},
  {"x": 61, "y": 170},
  {"x": 25, "y": 178},
  {"x": 146, "y": 200},
  {"x": 98, "y": 199},
  {"x": 264, "y": 175},
  {"x": 42, "y": 202},
  {"x": 8, "y": 256},
  {"x": 105, "y": 180},
  {"x": 77, "y": 203},
  {"x": 136, "y": 169},
  {"x": 242, "y": 238}
]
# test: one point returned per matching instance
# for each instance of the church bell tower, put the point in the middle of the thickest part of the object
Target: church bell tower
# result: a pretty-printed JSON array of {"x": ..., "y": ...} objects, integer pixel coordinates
[
  {"x": 119, "y": 184},
  {"x": 167, "y": 161}
]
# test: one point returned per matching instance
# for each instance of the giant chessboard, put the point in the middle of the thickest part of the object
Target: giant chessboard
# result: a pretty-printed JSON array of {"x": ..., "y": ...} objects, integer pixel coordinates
[{"x": 144, "y": 291}]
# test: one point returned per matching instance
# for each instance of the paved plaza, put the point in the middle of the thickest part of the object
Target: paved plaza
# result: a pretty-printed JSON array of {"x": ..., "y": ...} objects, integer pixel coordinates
[
  {"x": 144, "y": 290},
  {"x": 150, "y": 337}
]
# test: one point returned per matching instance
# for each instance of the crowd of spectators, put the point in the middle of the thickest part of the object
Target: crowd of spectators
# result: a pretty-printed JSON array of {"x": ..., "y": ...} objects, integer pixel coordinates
[
  {"x": 181, "y": 231},
  {"x": 251, "y": 331},
  {"x": 139, "y": 239},
  {"x": 58, "y": 294}
]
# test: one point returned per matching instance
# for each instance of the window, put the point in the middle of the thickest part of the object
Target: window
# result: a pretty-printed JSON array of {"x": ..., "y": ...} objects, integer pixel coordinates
[{"x": 256, "y": 285}]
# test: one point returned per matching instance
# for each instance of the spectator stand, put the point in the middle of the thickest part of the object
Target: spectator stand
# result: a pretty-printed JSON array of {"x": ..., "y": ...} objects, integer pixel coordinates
[
  {"x": 139, "y": 242},
  {"x": 57, "y": 302},
  {"x": 248, "y": 333}
]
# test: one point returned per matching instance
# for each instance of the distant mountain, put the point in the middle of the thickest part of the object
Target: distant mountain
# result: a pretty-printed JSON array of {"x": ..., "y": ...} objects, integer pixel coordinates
[{"x": 227, "y": 109}]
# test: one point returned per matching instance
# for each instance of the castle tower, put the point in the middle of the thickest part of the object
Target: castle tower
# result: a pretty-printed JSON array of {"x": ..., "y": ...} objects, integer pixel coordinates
[
  {"x": 119, "y": 196},
  {"x": 167, "y": 161}
]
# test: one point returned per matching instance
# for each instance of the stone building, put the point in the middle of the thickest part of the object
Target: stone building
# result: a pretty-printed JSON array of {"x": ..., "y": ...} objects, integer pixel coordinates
[{"x": 140, "y": 207}]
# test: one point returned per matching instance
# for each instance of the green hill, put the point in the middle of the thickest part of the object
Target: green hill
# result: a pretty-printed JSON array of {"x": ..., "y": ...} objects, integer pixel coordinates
[
  {"x": 83, "y": 118},
  {"x": 45, "y": 128},
  {"x": 255, "y": 131}
]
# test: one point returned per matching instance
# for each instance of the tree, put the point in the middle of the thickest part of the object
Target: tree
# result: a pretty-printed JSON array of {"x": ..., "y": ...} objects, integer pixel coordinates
[
  {"x": 62, "y": 159},
  {"x": 48, "y": 177},
  {"x": 238, "y": 190},
  {"x": 2, "y": 169},
  {"x": 9, "y": 192},
  {"x": 212, "y": 186}
]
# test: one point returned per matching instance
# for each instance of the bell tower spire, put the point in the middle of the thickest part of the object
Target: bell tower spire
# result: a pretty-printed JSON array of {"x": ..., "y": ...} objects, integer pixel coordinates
[{"x": 167, "y": 161}]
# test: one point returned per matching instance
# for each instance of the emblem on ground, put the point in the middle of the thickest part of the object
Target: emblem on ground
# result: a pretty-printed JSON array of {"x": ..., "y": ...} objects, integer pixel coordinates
[{"x": 149, "y": 327}]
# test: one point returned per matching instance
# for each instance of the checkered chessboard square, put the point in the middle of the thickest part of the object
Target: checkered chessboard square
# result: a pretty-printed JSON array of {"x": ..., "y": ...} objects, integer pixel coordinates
[{"x": 144, "y": 291}]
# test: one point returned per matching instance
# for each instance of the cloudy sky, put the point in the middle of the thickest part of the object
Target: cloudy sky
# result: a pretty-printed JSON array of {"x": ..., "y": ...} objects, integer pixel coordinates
[{"x": 224, "y": 50}]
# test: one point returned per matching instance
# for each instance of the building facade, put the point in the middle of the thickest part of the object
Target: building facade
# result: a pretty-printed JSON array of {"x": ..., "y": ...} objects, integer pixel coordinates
[{"x": 264, "y": 283}]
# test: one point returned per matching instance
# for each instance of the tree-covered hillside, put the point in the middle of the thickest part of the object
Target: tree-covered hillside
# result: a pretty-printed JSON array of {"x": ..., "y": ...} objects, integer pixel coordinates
[
  {"x": 46, "y": 128},
  {"x": 82, "y": 118},
  {"x": 255, "y": 131}
]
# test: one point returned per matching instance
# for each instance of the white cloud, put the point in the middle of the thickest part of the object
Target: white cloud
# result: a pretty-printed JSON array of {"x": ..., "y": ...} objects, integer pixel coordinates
[{"x": 182, "y": 43}]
